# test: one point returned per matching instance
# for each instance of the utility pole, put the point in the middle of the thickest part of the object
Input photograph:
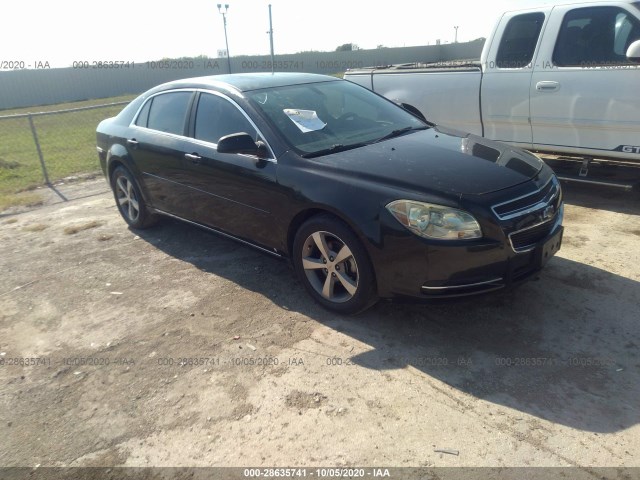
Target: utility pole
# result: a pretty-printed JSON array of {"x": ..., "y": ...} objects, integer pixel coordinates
[
  {"x": 270, "y": 32},
  {"x": 224, "y": 22}
]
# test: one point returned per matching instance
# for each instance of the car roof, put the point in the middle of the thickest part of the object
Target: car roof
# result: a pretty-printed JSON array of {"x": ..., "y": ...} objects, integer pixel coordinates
[
  {"x": 244, "y": 82},
  {"x": 233, "y": 84}
]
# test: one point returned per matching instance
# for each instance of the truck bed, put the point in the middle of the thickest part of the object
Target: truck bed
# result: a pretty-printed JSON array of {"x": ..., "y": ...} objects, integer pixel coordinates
[
  {"x": 450, "y": 97},
  {"x": 417, "y": 67}
]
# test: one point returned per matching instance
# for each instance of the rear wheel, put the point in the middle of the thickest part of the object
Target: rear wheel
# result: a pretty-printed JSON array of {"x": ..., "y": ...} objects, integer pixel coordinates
[
  {"x": 129, "y": 201},
  {"x": 334, "y": 266}
]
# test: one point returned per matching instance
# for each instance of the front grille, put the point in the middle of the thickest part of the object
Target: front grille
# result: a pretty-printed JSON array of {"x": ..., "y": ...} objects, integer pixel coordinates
[
  {"x": 533, "y": 201},
  {"x": 524, "y": 239}
]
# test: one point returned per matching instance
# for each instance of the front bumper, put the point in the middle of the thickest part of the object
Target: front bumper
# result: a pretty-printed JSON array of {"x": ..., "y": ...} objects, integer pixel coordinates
[{"x": 416, "y": 268}]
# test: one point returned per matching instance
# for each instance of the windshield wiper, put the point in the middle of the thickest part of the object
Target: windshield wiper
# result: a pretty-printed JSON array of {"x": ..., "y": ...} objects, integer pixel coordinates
[
  {"x": 339, "y": 147},
  {"x": 398, "y": 132},
  {"x": 336, "y": 148}
]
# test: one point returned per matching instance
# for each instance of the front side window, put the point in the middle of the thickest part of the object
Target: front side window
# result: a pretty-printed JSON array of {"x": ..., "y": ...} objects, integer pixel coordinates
[
  {"x": 595, "y": 36},
  {"x": 519, "y": 40},
  {"x": 217, "y": 117},
  {"x": 168, "y": 112}
]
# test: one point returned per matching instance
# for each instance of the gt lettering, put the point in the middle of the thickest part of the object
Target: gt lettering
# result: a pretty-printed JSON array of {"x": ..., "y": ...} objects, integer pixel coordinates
[{"x": 630, "y": 149}]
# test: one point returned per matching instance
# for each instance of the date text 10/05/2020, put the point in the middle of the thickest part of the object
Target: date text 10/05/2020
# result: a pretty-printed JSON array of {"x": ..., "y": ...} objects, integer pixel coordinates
[{"x": 316, "y": 472}]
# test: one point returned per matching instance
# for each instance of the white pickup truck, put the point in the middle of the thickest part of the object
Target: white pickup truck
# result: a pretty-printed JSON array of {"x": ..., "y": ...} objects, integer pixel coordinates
[{"x": 561, "y": 79}]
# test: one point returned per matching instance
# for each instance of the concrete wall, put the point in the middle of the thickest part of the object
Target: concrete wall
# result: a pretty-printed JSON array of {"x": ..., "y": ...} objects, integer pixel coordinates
[{"x": 25, "y": 88}]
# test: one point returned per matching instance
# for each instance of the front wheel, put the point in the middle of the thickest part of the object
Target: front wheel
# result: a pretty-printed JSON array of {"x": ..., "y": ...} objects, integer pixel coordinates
[
  {"x": 130, "y": 203},
  {"x": 334, "y": 266}
]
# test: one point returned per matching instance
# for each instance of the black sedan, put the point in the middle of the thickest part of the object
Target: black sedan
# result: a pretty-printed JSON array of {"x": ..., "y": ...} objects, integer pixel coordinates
[{"x": 367, "y": 200}]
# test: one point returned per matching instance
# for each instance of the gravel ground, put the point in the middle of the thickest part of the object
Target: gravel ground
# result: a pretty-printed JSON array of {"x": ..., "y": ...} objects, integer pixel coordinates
[{"x": 175, "y": 347}]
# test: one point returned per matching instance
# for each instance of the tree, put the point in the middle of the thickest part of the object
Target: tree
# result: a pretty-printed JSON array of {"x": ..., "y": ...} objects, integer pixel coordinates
[{"x": 347, "y": 47}]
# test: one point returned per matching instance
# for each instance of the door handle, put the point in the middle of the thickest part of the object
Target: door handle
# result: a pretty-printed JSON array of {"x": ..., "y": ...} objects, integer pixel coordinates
[
  {"x": 547, "y": 86},
  {"x": 133, "y": 142},
  {"x": 195, "y": 158}
]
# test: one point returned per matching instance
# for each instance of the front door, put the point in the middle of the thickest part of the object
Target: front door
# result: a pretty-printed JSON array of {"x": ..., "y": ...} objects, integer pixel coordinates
[
  {"x": 585, "y": 92},
  {"x": 231, "y": 192}
]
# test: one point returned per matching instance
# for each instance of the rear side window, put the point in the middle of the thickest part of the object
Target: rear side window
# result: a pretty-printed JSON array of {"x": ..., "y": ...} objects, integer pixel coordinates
[
  {"x": 519, "y": 40},
  {"x": 143, "y": 116},
  {"x": 217, "y": 117},
  {"x": 595, "y": 36},
  {"x": 168, "y": 112}
]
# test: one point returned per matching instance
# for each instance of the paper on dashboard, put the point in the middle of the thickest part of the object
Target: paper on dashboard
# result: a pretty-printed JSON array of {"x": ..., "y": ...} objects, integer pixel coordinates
[{"x": 305, "y": 120}]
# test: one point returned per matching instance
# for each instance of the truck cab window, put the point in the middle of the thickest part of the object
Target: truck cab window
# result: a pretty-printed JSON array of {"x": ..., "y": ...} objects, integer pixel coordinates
[
  {"x": 595, "y": 36},
  {"x": 519, "y": 40},
  {"x": 627, "y": 31}
]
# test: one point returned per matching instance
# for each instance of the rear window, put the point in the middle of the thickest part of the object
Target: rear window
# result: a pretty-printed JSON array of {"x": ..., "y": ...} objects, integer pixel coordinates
[{"x": 519, "y": 40}]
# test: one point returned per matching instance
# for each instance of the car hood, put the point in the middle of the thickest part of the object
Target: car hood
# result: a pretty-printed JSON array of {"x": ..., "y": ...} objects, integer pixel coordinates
[{"x": 439, "y": 159}]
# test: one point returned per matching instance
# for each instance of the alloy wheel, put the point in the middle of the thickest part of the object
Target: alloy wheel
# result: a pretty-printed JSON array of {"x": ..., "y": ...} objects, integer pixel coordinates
[
  {"x": 330, "y": 267},
  {"x": 127, "y": 200}
]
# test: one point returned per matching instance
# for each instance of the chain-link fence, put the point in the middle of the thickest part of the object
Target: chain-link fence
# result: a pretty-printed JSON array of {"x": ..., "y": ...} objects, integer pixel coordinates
[{"x": 43, "y": 147}]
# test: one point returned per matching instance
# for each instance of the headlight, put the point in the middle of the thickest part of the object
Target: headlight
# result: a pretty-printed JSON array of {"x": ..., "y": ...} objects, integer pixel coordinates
[{"x": 435, "y": 221}]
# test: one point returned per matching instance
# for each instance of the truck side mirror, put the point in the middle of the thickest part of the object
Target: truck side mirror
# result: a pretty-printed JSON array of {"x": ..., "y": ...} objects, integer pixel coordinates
[{"x": 633, "y": 52}]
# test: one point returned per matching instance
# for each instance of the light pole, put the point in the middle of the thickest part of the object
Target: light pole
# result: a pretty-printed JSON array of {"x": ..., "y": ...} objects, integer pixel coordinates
[
  {"x": 224, "y": 22},
  {"x": 270, "y": 32},
  {"x": 456, "y": 40}
]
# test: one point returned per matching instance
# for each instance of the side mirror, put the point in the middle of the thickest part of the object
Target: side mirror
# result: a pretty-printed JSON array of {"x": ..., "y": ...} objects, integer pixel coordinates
[
  {"x": 633, "y": 52},
  {"x": 242, "y": 143},
  {"x": 415, "y": 112}
]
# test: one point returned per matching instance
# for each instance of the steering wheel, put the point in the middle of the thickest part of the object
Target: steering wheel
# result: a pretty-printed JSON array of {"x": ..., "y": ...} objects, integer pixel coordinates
[{"x": 347, "y": 117}]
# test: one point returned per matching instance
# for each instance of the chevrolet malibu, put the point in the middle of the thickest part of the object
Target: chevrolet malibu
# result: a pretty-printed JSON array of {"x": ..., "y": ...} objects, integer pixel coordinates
[{"x": 365, "y": 199}]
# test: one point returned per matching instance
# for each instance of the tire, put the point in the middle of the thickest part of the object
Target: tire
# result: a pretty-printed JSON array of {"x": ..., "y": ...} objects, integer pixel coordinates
[
  {"x": 340, "y": 280},
  {"x": 129, "y": 201}
]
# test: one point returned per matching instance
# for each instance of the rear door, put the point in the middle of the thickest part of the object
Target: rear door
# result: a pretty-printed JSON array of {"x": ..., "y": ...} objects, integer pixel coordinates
[
  {"x": 585, "y": 94},
  {"x": 157, "y": 146},
  {"x": 507, "y": 77}
]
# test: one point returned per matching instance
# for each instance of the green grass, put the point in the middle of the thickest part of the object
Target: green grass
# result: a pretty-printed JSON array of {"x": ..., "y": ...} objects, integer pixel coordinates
[
  {"x": 67, "y": 141},
  {"x": 19, "y": 200},
  {"x": 68, "y": 105}
]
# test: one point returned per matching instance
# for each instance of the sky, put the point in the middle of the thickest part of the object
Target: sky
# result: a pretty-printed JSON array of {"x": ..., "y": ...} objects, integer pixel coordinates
[{"x": 63, "y": 31}]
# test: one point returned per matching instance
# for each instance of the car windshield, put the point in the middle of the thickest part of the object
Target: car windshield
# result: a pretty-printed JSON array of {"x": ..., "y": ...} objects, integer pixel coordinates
[{"x": 327, "y": 117}]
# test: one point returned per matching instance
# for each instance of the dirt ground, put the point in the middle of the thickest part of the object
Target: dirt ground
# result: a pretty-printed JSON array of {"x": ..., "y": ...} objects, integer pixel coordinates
[{"x": 175, "y": 347}]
